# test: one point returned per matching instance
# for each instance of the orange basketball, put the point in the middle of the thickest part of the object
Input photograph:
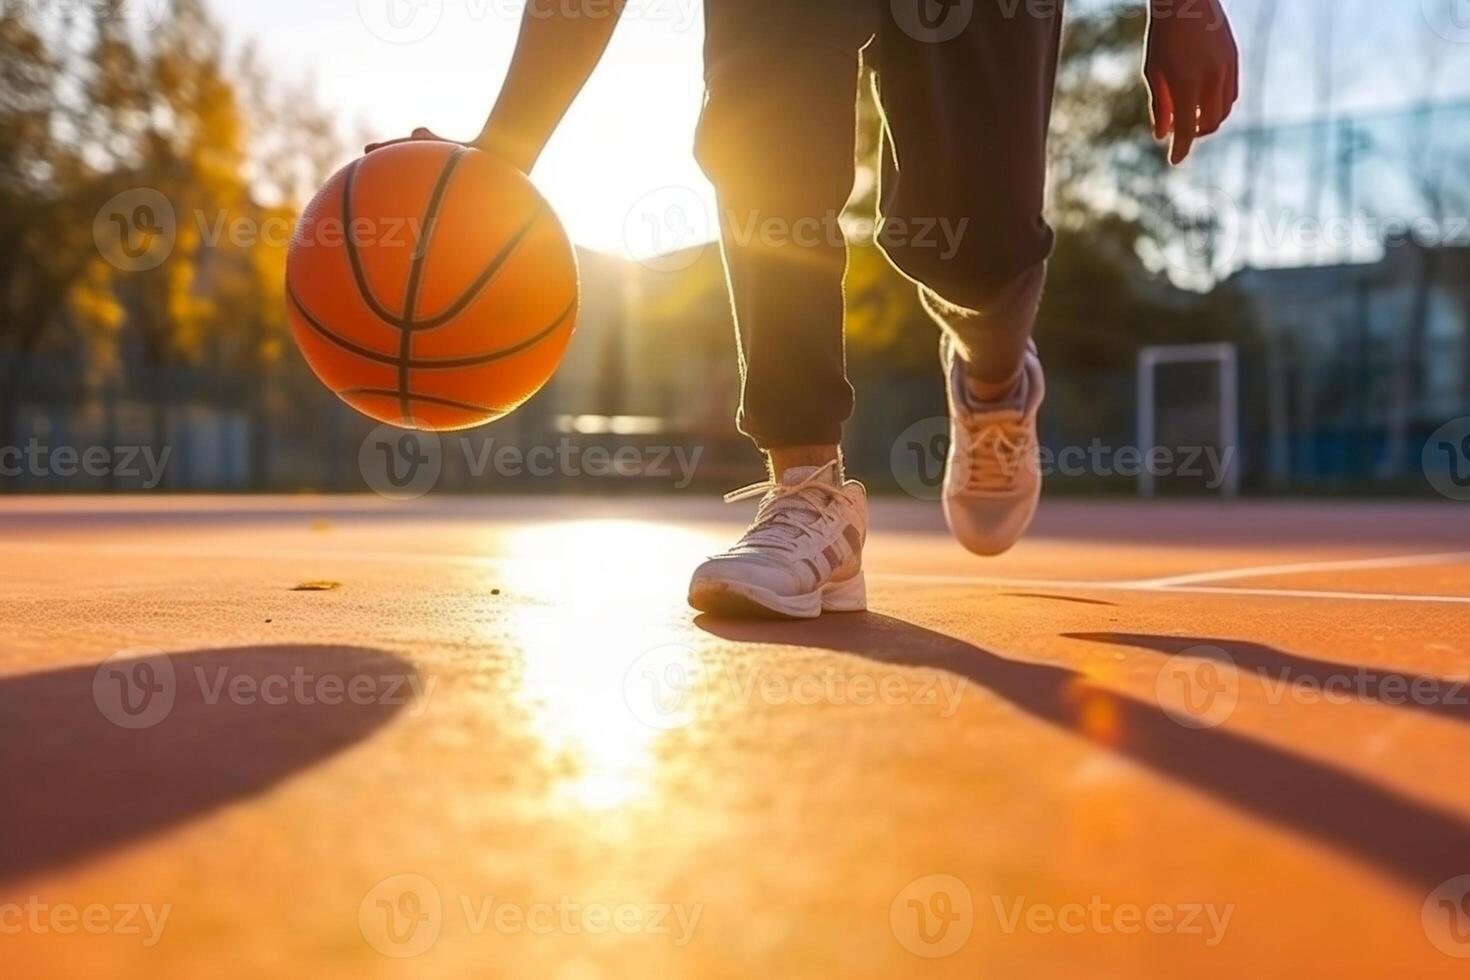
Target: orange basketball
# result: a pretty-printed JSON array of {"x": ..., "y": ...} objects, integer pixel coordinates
[{"x": 431, "y": 286}]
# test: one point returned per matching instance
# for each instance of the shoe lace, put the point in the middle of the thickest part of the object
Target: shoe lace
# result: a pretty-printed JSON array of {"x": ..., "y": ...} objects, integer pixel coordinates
[
  {"x": 998, "y": 451},
  {"x": 787, "y": 512}
]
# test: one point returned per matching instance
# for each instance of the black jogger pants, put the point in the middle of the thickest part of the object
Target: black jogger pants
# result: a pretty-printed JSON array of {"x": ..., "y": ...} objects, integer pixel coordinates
[{"x": 966, "y": 91}]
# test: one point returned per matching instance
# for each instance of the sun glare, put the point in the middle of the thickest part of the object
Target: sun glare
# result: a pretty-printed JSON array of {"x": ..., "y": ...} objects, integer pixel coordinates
[
  {"x": 621, "y": 171},
  {"x": 623, "y": 153},
  {"x": 574, "y": 674}
]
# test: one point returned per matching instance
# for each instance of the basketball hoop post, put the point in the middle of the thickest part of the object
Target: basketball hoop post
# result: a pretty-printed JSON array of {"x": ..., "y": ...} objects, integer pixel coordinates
[{"x": 1224, "y": 356}]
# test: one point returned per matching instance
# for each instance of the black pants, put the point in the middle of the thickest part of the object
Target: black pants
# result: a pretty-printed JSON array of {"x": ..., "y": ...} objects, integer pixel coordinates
[{"x": 966, "y": 91}]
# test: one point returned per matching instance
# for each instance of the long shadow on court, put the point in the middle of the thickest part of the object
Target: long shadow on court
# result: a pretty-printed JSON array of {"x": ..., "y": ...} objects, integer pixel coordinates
[
  {"x": 1444, "y": 697},
  {"x": 1413, "y": 841},
  {"x": 94, "y": 756}
]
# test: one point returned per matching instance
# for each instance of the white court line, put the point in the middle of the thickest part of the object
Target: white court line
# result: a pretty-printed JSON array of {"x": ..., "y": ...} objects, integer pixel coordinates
[
  {"x": 1179, "y": 584},
  {"x": 1307, "y": 567},
  {"x": 1143, "y": 586},
  {"x": 1194, "y": 584}
]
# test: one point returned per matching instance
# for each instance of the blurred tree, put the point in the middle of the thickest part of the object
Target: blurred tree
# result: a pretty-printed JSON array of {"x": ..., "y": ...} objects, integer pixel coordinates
[
  {"x": 45, "y": 209},
  {"x": 1113, "y": 201},
  {"x": 293, "y": 147},
  {"x": 165, "y": 117},
  {"x": 96, "y": 108}
]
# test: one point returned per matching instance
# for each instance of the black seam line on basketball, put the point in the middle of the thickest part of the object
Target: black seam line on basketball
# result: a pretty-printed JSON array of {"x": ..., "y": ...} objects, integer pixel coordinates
[
  {"x": 504, "y": 352},
  {"x": 416, "y": 272},
  {"x": 439, "y": 363},
  {"x": 353, "y": 259},
  {"x": 478, "y": 286},
  {"x": 342, "y": 342},
  {"x": 426, "y": 363},
  {"x": 415, "y": 396}
]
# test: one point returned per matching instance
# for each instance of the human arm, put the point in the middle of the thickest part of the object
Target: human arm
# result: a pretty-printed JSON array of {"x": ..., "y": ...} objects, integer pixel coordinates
[{"x": 559, "y": 45}]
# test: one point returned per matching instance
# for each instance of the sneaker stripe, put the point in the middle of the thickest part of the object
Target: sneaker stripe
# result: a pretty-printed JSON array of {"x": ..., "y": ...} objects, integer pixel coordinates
[
  {"x": 833, "y": 556},
  {"x": 816, "y": 572},
  {"x": 854, "y": 538}
]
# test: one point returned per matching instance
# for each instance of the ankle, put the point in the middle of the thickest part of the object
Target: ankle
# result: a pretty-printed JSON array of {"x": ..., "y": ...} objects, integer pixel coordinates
[
  {"x": 787, "y": 457},
  {"x": 986, "y": 391}
]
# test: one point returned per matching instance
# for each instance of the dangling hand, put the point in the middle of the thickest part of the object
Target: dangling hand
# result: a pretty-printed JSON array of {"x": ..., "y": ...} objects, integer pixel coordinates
[{"x": 1192, "y": 67}]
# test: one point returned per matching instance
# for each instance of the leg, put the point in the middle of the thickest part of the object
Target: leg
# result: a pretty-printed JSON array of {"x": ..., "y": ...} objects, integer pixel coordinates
[
  {"x": 776, "y": 139},
  {"x": 967, "y": 122}
]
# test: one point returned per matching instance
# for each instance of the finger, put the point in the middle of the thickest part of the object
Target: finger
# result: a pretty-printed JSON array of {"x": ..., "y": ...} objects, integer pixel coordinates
[
  {"x": 373, "y": 147},
  {"x": 1186, "y": 126},
  {"x": 1212, "y": 108},
  {"x": 1161, "y": 105}
]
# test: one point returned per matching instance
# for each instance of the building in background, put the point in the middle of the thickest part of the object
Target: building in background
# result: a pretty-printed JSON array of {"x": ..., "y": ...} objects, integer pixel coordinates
[{"x": 1363, "y": 361}]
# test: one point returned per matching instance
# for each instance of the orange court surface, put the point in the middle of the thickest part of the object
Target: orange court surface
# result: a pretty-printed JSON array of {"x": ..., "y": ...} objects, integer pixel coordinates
[{"x": 343, "y": 738}]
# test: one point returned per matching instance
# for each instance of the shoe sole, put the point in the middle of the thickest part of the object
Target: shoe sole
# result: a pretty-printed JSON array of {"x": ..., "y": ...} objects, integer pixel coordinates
[
  {"x": 990, "y": 544},
  {"x": 739, "y": 600}
]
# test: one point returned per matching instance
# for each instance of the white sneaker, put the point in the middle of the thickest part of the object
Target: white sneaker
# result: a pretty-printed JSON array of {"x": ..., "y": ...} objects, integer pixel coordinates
[
  {"x": 992, "y": 479},
  {"x": 801, "y": 556}
]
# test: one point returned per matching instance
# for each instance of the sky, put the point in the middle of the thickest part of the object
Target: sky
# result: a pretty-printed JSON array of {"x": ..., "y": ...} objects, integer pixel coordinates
[{"x": 623, "y": 154}]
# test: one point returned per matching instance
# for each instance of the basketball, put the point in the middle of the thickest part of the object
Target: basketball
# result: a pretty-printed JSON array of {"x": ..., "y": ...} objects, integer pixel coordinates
[{"x": 430, "y": 286}]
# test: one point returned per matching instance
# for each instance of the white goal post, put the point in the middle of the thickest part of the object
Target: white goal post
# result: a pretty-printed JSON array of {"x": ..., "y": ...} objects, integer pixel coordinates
[{"x": 1150, "y": 359}]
